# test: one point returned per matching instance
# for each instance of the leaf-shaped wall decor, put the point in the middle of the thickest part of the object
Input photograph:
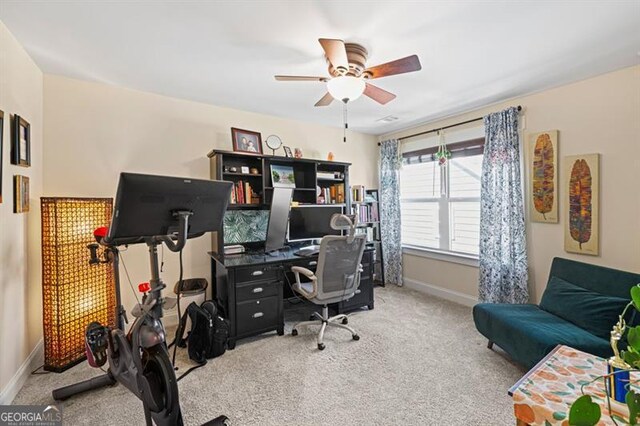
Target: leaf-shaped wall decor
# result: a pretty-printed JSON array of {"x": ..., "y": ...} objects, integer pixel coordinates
[
  {"x": 542, "y": 170},
  {"x": 543, "y": 174},
  {"x": 580, "y": 206}
]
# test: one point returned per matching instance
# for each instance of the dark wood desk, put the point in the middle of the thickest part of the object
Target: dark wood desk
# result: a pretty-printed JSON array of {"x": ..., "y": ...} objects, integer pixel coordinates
[{"x": 251, "y": 288}]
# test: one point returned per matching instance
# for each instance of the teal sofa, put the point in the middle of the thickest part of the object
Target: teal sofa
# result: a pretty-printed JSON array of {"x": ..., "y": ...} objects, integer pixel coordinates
[{"x": 578, "y": 308}]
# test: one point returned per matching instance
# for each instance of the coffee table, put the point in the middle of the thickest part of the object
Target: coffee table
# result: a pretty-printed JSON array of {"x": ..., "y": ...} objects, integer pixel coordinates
[{"x": 544, "y": 395}]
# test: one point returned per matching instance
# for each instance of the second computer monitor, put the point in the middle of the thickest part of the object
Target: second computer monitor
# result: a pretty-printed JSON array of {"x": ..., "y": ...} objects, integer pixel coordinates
[{"x": 312, "y": 222}]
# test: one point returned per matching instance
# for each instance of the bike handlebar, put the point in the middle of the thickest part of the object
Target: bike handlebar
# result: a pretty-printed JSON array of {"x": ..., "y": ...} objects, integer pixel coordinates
[
  {"x": 183, "y": 226},
  {"x": 168, "y": 240}
]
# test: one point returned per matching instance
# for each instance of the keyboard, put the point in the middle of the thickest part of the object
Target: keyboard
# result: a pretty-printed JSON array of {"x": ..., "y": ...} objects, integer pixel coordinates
[{"x": 306, "y": 252}]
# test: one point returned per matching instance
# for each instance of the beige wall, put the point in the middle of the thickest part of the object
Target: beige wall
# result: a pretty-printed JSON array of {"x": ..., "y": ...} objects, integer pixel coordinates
[
  {"x": 95, "y": 131},
  {"x": 598, "y": 115},
  {"x": 20, "y": 296}
]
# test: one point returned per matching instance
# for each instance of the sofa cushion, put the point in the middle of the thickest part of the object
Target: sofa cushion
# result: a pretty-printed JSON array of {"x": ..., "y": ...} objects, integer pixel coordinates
[
  {"x": 587, "y": 309},
  {"x": 528, "y": 333}
]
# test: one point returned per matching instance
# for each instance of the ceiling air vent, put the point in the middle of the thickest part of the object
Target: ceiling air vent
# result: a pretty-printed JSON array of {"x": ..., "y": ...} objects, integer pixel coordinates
[{"x": 387, "y": 119}]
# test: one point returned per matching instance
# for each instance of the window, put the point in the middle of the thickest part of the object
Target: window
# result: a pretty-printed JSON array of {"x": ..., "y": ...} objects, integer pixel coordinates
[{"x": 440, "y": 206}]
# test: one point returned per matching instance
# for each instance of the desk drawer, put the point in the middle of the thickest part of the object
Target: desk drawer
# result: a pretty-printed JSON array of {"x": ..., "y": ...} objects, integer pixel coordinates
[
  {"x": 256, "y": 273},
  {"x": 256, "y": 290},
  {"x": 256, "y": 315},
  {"x": 311, "y": 263}
]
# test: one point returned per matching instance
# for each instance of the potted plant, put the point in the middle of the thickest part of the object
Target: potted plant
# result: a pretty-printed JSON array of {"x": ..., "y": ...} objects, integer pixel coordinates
[{"x": 585, "y": 412}]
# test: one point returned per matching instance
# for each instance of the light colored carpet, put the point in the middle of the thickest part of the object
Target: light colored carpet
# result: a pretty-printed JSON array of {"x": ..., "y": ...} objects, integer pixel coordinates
[{"x": 419, "y": 361}]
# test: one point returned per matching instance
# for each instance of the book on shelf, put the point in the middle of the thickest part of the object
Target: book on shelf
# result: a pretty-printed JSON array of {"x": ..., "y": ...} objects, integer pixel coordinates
[
  {"x": 330, "y": 175},
  {"x": 366, "y": 212},
  {"x": 333, "y": 194},
  {"x": 357, "y": 193},
  {"x": 368, "y": 232},
  {"x": 243, "y": 193}
]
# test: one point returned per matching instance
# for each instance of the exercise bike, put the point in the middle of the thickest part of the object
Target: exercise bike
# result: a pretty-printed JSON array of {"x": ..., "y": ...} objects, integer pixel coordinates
[{"x": 139, "y": 359}]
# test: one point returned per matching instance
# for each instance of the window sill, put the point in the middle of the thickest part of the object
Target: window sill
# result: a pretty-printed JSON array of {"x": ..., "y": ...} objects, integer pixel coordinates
[{"x": 462, "y": 259}]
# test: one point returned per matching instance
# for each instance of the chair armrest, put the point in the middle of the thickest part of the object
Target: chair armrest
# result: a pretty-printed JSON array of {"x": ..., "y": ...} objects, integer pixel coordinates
[
  {"x": 304, "y": 271},
  {"x": 297, "y": 286}
]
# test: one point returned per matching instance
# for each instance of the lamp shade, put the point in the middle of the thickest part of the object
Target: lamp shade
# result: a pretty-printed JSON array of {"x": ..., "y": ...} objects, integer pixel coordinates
[
  {"x": 346, "y": 88},
  {"x": 74, "y": 293}
]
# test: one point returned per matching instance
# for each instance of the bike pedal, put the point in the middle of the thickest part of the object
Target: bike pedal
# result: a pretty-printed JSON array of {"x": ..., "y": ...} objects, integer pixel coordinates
[{"x": 96, "y": 343}]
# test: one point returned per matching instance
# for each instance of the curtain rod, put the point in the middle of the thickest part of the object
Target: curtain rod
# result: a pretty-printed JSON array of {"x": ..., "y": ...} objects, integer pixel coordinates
[{"x": 519, "y": 107}]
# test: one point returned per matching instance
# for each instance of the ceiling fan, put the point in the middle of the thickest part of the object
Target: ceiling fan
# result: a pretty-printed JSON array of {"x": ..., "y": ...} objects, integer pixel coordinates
[{"x": 348, "y": 72}]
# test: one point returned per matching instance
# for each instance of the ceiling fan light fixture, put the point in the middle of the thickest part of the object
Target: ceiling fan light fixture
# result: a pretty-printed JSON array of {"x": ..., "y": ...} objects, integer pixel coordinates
[{"x": 346, "y": 88}]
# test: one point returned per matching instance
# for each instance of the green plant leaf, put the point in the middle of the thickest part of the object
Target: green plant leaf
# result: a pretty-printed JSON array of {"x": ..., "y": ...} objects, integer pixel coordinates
[
  {"x": 631, "y": 357},
  {"x": 633, "y": 402},
  {"x": 584, "y": 412},
  {"x": 633, "y": 338},
  {"x": 635, "y": 296}
]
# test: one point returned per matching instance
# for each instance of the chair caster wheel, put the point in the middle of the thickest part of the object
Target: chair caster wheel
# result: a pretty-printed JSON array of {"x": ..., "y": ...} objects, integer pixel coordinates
[
  {"x": 345, "y": 320},
  {"x": 355, "y": 337},
  {"x": 294, "y": 332},
  {"x": 321, "y": 346}
]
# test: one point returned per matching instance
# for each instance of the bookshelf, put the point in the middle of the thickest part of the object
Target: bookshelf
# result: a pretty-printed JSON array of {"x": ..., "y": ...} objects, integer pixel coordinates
[
  {"x": 366, "y": 206},
  {"x": 317, "y": 182}
]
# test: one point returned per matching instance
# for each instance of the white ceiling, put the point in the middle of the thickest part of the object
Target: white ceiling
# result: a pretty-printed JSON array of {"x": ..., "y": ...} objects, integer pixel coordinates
[{"x": 226, "y": 52}]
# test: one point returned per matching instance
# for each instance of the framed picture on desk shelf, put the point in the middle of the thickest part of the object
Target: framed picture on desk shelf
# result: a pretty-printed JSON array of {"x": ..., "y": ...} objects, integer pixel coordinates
[{"x": 283, "y": 176}]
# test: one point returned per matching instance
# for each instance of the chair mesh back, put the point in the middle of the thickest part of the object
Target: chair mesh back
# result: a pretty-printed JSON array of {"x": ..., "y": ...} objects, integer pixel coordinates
[{"x": 338, "y": 265}]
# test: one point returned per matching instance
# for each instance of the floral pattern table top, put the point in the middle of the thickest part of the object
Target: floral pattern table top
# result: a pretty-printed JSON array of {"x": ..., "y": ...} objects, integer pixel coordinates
[{"x": 544, "y": 395}]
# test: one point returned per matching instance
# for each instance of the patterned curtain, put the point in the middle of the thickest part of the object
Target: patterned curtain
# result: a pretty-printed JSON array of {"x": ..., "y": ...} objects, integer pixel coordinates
[
  {"x": 503, "y": 255},
  {"x": 390, "y": 163}
]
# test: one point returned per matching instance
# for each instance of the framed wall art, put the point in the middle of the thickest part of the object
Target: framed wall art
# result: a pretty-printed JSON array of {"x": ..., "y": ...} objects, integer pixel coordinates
[
  {"x": 20, "y": 194},
  {"x": 246, "y": 141},
  {"x": 543, "y": 176},
  {"x": 21, "y": 142},
  {"x": 581, "y": 203}
]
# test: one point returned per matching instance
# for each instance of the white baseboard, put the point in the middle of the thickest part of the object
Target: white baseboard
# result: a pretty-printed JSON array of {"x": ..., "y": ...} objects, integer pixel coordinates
[
  {"x": 443, "y": 293},
  {"x": 17, "y": 381}
]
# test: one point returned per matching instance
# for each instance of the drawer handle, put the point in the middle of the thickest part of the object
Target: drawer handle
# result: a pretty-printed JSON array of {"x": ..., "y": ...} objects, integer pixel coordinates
[
  {"x": 257, "y": 290},
  {"x": 313, "y": 263},
  {"x": 358, "y": 291},
  {"x": 257, "y": 315},
  {"x": 257, "y": 273}
]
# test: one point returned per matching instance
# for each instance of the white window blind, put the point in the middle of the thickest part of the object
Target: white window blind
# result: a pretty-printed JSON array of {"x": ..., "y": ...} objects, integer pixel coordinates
[{"x": 440, "y": 206}]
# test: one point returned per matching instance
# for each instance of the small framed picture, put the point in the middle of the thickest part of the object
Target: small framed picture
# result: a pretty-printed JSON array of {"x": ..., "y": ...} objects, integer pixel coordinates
[
  {"x": 282, "y": 176},
  {"x": 21, "y": 143},
  {"x": 20, "y": 194},
  {"x": 246, "y": 141},
  {"x": 1, "y": 150},
  {"x": 245, "y": 169},
  {"x": 287, "y": 151}
]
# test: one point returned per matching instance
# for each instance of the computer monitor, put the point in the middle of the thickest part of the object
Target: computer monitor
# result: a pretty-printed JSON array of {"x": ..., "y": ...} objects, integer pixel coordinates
[
  {"x": 278, "y": 218},
  {"x": 312, "y": 222},
  {"x": 145, "y": 205}
]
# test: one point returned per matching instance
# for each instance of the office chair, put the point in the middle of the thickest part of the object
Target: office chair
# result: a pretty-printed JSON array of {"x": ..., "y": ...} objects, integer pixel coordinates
[{"x": 337, "y": 276}]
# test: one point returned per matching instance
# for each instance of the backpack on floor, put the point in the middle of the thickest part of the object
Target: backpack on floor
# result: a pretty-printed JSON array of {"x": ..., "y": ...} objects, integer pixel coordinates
[{"x": 209, "y": 331}]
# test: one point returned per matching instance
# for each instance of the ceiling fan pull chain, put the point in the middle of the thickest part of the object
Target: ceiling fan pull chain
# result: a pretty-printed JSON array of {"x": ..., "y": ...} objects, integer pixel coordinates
[{"x": 346, "y": 124}]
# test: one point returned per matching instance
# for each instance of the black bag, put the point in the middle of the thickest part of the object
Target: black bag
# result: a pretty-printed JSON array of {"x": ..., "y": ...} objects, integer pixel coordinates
[{"x": 209, "y": 331}]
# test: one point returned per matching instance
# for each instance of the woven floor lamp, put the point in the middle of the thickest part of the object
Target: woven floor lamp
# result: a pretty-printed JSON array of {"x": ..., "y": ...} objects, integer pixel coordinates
[{"x": 74, "y": 293}]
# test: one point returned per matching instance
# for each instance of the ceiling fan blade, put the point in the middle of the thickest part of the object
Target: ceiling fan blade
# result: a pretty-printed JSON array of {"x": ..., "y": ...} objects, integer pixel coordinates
[
  {"x": 377, "y": 94},
  {"x": 336, "y": 53},
  {"x": 300, "y": 78},
  {"x": 325, "y": 100},
  {"x": 399, "y": 66}
]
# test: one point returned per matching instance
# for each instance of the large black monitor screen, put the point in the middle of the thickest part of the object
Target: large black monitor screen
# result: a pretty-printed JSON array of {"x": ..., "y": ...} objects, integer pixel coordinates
[
  {"x": 313, "y": 222},
  {"x": 145, "y": 205}
]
